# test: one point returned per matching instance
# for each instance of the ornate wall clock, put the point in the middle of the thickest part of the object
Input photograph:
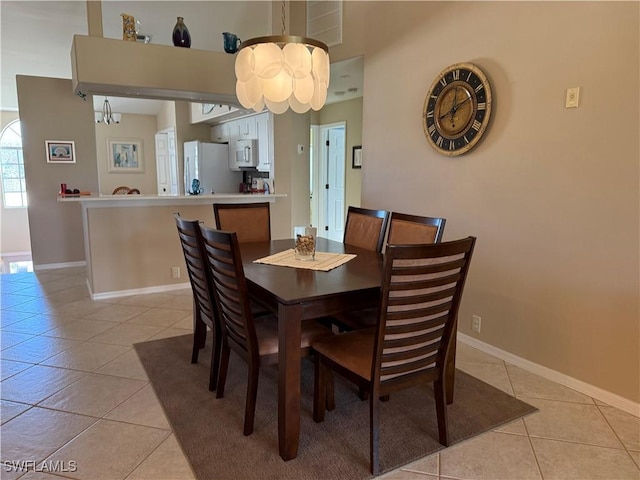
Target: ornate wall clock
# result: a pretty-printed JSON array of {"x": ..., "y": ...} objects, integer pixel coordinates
[{"x": 457, "y": 109}]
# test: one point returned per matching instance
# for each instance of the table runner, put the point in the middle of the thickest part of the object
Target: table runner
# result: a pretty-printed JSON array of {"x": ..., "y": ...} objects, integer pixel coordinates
[{"x": 324, "y": 261}]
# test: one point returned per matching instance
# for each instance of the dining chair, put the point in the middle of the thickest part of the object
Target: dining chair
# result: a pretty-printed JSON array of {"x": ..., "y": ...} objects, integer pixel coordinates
[
  {"x": 407, "y": 229},
  {"x": 365, "y": 228},
  {"x": 250, "y": 221},
  {"x": 204, "y": 313},
  {"x": 422, "y": 287},
  {"x": 255, "y": 339}
]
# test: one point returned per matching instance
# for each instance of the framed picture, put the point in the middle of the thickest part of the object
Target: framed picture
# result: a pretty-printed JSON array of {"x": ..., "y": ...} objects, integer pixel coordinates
[
  {"x": 60, "y": 151},
  {"x": 125, "y": 155},
  {"x": 356, "y": 160}
]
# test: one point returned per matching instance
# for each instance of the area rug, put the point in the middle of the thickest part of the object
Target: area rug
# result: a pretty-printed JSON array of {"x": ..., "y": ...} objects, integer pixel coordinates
[{"x": 210, "y": 430}]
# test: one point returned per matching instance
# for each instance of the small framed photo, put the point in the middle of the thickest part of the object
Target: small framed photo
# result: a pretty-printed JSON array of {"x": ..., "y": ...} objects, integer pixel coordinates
[
  {"x": 125, "y": 155},
  {"x": 356, "y": 160},
  {"x": 60, "y": 151}
]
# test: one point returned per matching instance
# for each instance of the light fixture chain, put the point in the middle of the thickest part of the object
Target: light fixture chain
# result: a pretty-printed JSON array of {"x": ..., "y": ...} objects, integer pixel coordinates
[{"x": 283, "y": 15}]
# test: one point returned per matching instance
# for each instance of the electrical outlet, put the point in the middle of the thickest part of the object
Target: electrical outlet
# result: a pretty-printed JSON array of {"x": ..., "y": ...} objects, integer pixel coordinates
[
  {"x": 476, "y": 323},
  {"x": 175, "y": 272}
]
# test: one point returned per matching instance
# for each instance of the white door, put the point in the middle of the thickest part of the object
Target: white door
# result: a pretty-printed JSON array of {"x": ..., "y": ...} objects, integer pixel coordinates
[
  {"x": 331, "y": 182},
  {"x": 166, "y": 163}
]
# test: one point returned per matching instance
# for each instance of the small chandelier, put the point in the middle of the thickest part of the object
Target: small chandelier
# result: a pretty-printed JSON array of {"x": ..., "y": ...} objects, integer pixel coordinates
[
  {"x": 106, "y": 116},
  {"x": 281, "y": 72}
]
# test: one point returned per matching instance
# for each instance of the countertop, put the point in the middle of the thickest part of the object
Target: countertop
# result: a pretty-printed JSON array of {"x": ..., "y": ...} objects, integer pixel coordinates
[{"x": 95, "y": 200}]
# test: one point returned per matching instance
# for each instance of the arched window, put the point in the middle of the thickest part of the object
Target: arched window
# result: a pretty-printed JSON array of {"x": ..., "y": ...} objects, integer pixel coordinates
[{"x": 14, "y": 191}]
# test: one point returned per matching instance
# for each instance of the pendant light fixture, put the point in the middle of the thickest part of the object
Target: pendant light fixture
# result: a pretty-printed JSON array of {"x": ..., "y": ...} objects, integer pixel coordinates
[
  {"x": 106, "y": 116},
  {"x": 281, "y": 72}
]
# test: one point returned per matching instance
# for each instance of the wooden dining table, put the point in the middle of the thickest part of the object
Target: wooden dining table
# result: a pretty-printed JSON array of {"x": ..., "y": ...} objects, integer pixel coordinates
[{"x": 296, "y": 295}]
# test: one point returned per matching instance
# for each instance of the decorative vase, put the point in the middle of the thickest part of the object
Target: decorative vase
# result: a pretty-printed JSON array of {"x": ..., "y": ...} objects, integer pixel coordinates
[{"x": 181, "y": 37}]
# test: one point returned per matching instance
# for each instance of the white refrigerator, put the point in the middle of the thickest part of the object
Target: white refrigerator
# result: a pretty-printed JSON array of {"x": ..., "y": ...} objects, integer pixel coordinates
[{"x": 209, "y": 163}]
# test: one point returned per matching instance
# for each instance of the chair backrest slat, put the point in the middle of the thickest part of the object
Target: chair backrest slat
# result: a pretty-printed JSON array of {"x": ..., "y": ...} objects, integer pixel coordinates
[
  {"x": 250, "y": 221},
  {"x": 365, "y": 228},
  {"x": 222, "y": 252},
  {"x": 421, "y": 292}
]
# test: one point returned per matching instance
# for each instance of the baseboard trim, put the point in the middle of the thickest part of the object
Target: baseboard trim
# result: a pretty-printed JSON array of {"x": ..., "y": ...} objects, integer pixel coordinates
[
  {"x": 609, "y": 398},
  {"x": 137, "y": 291},
  {"x": 51, "y": 266}
]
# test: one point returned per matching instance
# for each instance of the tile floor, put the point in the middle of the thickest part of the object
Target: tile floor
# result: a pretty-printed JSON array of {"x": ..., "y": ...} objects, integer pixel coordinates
[{"x": 75, "y": 399}]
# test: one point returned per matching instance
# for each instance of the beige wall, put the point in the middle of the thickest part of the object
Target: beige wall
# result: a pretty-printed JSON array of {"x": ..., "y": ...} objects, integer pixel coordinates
[
  {"x": 50, "y": 111},
  {"x": 551, "y": 193},
  {"x": 350, "y": 112},
  {"x": 131, "y": 127},
  {"x": 14, "y": 222}
]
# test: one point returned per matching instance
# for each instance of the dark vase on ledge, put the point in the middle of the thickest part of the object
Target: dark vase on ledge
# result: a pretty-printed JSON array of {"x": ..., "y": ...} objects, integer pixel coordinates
[{"x": 181, "y": 37}]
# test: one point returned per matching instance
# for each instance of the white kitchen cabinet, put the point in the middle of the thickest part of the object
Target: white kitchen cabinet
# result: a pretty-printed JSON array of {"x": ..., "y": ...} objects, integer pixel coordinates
[{"x": 220, "y": 133}]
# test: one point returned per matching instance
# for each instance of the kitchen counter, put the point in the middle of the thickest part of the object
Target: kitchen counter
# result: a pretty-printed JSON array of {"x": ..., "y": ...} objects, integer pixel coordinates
[
  {"x": 131, "y": 241},
  {"x": 142, "y": 200}
]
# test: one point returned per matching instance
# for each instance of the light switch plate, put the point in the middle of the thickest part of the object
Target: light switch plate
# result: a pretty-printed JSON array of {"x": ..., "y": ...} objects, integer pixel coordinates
[{"x": 573, "y": 94}]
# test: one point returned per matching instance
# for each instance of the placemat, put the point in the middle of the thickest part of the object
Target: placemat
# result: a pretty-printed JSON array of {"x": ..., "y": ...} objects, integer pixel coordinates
[{"x": 324, "y": 261}]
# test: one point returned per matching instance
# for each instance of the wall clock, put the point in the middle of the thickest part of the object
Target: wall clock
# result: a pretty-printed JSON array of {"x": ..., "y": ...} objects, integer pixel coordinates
[{"x": 457, "y": 109}]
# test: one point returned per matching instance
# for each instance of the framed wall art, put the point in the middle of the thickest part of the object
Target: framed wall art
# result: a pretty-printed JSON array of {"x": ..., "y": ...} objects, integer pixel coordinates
[
  {"x": 125, "y": 155},
  {"x": 356, "y": 160},
  {"x": 60, "y": 151}
]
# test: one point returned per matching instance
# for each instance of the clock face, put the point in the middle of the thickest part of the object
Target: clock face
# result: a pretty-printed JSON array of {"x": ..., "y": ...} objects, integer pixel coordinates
[{"x": 457, "y": 109}]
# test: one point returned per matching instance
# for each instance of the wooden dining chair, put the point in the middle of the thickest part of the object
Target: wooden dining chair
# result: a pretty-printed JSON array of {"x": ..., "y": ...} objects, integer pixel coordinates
[
  {"x": 255, "y": 339},
  {"x": 421, "y": 291},
  {"x": 250, "y": 221},
  {"x": 204, "y": 312},
  {"x": 407, "y": 229},
  {"x": 365, "y": 228}
]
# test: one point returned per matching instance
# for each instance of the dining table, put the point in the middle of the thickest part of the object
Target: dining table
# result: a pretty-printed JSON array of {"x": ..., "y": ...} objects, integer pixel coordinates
[{"x": 295, "y": 295}]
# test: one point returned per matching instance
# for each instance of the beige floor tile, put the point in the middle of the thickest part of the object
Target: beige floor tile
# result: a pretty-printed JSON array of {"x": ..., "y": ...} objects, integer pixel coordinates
[
  {"x": 573, "y": 461},
  {"x": 490, "y": 456},
  {"x": 171, "y": 332},
  {"x": 44, "y": 467},
  {"x": 526, "y": 384},
  {"x": 35, "y": 305},
  {"x": 516, "y": 428},
  {"x": 94, "y": 394},
  {"x": 179, "y": 302},
  {"x": 9, "y": 339},
  {"x": 185, "y": 324},
  {"x": 79, "y": 308},
  {"x": 491, "y": 373},
  {"x": 7, "y": 317},
  {"x": 162, "y": 317},
  {"x": 37, "y": 383},
  {"x": 127, "y": 334},
  {"x": 626, "y": 426},
  {"x": 87, "y": 356},
  {"x": 9, "y": 368},
  {"x": 80, "y": 329},
  {"x": 37, "y": 349},
  {"x": 9, "y": 410},
  {"x": 126, "y": 365},
  {"x": 465, "y": 353},
  {"x": 69, "y": 295},
  {"x": 117, "y": 313},
  {"x": 573, "y": 422},
  {"x": 37, "y": 324},
  {"x": 636, "y": 457},
  {"x": 142, "y": 408},
  {"x": 167, "y": 462},
  {"x": 424, "y": 465},
  {"x": 110, "y": 450},
  {"x": 8, "y": 301},
  {"x": 407, "y": 475},
  {"x": 148, "y": 300},
  {"x": 39, "y": 432}
]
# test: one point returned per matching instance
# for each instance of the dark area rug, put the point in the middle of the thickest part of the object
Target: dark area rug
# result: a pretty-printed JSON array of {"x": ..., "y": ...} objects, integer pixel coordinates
[{"x": 210, "y": 430}]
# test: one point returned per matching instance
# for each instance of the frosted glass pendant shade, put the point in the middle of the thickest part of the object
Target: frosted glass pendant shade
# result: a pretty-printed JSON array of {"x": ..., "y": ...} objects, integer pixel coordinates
[{"x": 282, "y": 72}]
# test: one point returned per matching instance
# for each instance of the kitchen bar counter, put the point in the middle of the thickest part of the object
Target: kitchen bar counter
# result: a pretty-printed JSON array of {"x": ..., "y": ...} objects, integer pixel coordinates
[{"x": 131, "y": 241}]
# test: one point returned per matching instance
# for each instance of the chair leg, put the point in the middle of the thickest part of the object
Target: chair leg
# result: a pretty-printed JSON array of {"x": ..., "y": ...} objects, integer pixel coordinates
[
  {"x": 374, "y": 434},
  {"x": 439, "y": 392},
  {"x": 214, "y": 372},
  {"x": 199, "y": 337},
  {"x": 252, "y": 395},
  {"x": 362, "y": 393},
  {"x": 330, "y": 397},
  {"x": 319, "y": 389},
  {"x": 224, "y": 366}
]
